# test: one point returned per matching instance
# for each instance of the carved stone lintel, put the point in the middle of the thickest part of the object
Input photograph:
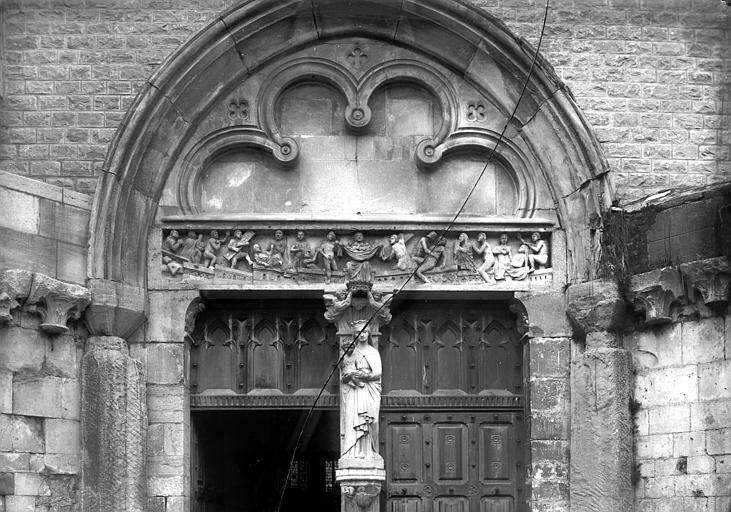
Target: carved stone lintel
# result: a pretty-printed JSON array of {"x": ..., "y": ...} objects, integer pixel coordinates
[
  {"x": 56, "y": 302},
  {"x": 711, "y": 278},
  {"x": 14, "y": 286},
  {"x": 657, "y": 293}
]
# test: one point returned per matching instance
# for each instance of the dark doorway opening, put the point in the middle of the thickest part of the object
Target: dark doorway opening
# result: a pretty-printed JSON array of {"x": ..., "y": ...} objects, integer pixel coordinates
[{"x": 240, "y": 461}]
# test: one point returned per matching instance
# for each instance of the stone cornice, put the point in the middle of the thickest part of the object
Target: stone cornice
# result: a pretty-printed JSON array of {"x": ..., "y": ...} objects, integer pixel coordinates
[{"x": 55, "y": 301}]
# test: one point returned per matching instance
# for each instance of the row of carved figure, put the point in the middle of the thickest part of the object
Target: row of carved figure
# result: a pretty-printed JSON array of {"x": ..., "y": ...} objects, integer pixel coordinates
[{"x": 491, "y": 263}]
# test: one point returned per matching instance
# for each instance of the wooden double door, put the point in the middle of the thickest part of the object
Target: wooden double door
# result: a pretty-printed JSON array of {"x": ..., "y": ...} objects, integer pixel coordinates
[
  {"x": 451, "y": 423},
  {"x": 453, "y": 461}
]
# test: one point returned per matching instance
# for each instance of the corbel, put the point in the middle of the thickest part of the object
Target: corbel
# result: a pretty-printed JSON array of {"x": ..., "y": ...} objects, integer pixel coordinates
[
  {"x": 56, "y": 302},
  {"x": 14, "y": 288}
]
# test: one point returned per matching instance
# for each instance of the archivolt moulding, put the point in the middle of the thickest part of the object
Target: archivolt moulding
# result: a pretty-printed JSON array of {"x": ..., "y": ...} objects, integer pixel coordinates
[
  {"x": 449, "y": 33},
  {"x": 285, "y": 150}
]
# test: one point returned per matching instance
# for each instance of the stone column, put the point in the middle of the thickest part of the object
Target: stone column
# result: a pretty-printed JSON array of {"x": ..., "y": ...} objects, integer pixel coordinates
[
  {"x": 360, "y": 478},
  {"x": 601, "y": 391},
  {"x": 114, "y": 405},
  {"x": 114, "y": 423}
]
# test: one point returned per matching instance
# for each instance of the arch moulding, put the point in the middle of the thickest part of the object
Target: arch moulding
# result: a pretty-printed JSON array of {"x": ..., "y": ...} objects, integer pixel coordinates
[{"x": 549, "y": 130}]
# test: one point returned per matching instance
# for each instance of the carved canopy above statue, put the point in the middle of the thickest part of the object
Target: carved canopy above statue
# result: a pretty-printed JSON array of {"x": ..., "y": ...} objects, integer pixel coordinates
[{"x": 412, "y": 96}]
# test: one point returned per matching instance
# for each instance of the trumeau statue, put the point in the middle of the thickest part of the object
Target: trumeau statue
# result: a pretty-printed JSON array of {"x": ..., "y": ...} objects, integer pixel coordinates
[{"x": 360, "y": 394}]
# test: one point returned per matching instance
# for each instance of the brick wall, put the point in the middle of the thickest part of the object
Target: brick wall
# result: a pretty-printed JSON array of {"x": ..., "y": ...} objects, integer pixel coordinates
[
  {"x": 683, "y": 439},
  {"x": 650, "y": 75}
]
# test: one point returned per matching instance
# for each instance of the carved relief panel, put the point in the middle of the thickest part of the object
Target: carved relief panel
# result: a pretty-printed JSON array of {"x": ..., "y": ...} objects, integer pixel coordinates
[{"x": 292, "y": 257}]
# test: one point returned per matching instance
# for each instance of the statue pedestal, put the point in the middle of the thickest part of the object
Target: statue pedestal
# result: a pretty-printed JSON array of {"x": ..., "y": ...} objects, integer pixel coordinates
[{"x": 360, "y": 483}]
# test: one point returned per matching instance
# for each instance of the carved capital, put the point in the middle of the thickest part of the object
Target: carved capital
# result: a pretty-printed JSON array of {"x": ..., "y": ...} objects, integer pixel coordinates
[
  {"x": 14, "y": 287},
  {"x": 56, "y": 302},
  {"x": 657, "y": 293},
  {"x": 711, "y": 278}
]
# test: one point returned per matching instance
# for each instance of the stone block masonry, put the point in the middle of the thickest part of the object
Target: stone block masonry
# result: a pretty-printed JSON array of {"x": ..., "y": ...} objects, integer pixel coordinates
[
  {"x": 651, "y": 78},
  {"x": 683, "y": 394},
  {"x": 40, "y": 440}
]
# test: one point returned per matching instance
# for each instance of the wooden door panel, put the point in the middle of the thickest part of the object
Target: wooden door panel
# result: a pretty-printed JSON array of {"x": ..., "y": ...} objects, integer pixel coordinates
[
  {"x": 406, "y": 453},
  {"x": 404, "y": 504},
  {"x": 494, "y": 449},
  {"x": 496, "y": 504},
  {"x": 451, "y": 504},
  {"x": 450, "y": 453}
]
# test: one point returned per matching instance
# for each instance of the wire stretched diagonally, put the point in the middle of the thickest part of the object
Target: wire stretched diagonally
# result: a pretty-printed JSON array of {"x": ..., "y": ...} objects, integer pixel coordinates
[{"x": 411, "y": 275}]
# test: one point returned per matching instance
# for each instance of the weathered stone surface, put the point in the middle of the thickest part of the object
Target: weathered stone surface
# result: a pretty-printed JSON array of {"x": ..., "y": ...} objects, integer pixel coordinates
[
  {"x": 114, "y": 423},
  {"x": 49, "y": 397},
  {"x": 546, "y": 315},
  {"x": 714, "y": 380},
  {"x": 656, "y": 348},
  {"x": 167, "y": 318},
  {"x": 164, "y": 363},
  {"x": 21, "y": 349},
  {"x": 19, "y": 211},
  {"x": 667, "y": 386},
  {"x": 31, "y": 484},
  {"x": 62, "y": 437},
  {"x": 21, "y": 434},
  {"x": 595, "y": 306},
  {"x": 166, "y": 403},
  {"x": 550, "y": 357},
  {"x": 7, "y": 484},
  {"x": 702, "y": 340},
  {"x": 601, "y": 431}
]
